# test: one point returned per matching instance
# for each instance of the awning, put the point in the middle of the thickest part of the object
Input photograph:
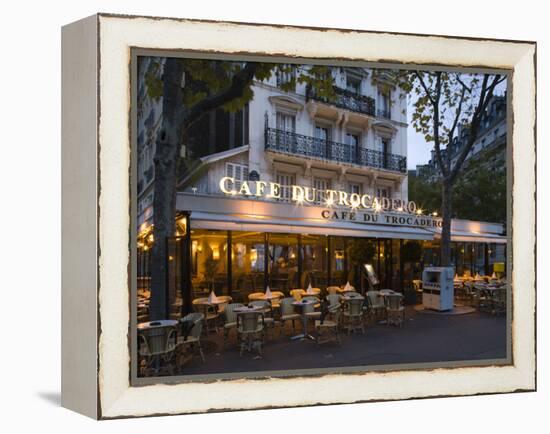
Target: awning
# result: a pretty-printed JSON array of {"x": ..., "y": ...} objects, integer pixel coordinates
[
  {"x": 472, "y": 237},
  {"x": 240, "y": 222}
]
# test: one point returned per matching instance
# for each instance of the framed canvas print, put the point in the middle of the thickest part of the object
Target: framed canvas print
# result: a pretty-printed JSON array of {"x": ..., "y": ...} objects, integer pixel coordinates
[{"x": 260, "y": 216}]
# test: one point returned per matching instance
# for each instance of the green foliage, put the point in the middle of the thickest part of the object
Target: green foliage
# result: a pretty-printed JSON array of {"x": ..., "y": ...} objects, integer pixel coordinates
[
  {"x": 152, "y": 80},
  {"x": 361, "y": 251},
  {"x": 427, "y": 195},
  {"x": 479, "y": 192},
  {"x": 204, "y": 78}
]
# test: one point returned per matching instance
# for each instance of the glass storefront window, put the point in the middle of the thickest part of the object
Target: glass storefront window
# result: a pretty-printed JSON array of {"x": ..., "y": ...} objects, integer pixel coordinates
[
  {"x": 314, "y": 261},
  {"x": 248, "y": 263},
  {"x": 209, "y": 262},
  {"x": 283, "y": 262},
  {"x": 338, "y": 261}
]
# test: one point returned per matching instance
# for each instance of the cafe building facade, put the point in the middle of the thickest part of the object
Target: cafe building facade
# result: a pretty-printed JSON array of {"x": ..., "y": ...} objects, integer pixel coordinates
[{"x": 298, "y": 183}]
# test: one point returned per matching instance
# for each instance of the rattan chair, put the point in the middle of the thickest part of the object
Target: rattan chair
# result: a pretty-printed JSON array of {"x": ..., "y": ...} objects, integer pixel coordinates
[
  {"x": 269, "y": 321},
  {"x": 333, "y": 290},
  {"x": 395, "y": 309},
  {"x": 211, "y": 316},
  {"x": 327, "y": 329},
  {"x": 223, "y": 301},
  {"x": 309, "y": 310},
  {"x": 192, "y": 323},
  {"x": 255, "y": 296},
  {"x": 250, "y": 328},
  {"x": 352, "y": 317},
  {"x": 230, "y": 319},
  {"x": 500, "y": 301},
  {"x": 288, "y": 313},
  {"x": 157, "y": 345},
  {"x": 377, "y": 307},
  {"x": 334, "y": 299}
]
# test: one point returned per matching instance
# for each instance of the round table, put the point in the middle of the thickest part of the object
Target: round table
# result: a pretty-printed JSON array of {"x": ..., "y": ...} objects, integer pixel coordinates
[
  {"x": 352, "y": 296},
  {"x": 157, "y": 324},
  {"x": 245, "y": 309},
  {"x": 303, "y": 304}
]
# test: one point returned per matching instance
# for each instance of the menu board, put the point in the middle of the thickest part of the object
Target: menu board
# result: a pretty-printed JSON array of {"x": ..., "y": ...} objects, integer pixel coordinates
[{"x": 371, "y": 275}]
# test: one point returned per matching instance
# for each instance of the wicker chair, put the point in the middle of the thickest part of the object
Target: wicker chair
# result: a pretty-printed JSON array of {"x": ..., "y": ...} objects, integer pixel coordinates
[
  {"x": 255, "y": 296},
  {"x": 376, "y": 303},
  {"x": 297, "y": 294},
  {"x": 395, "y": 309},
  {"x": 156, "y": 345},
  {"x": 309, "y": 310},
  {"x": 288, "y": 313},
  {"x": 250, "y": 327},
  {"x": 211, "y": 316},
  {"x": 230, "y": 319},
  {"x": 327, "y": 329},
  {"x": 334, "y": 300},
  {"x": 192, "y": 340},
  {"x": 333, "y": 290},
  {"x": 269, "y": 321},
  {"x": 353, "y": 315},
  {"x": 499, "y": 301},
  {"x": 223, "y": 300}
]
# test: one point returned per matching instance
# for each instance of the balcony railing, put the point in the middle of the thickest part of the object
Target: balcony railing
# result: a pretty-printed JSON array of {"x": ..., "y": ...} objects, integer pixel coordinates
[
  {"x": 346, "y": 100},
  {"x": 297, "y": 144}
]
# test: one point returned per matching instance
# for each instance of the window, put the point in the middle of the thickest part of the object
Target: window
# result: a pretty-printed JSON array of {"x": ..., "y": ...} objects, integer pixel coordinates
[
  {"x": 239, "y": 172},
  {"x": 286, "y": 122},
  {"x": 320, "y": 185},
  {"x": 353, "y": 84},
  {"x": 286, "y": 180},
  {"x": 383, "y": 192},
  {"x": 322, "y": 132},
  {"x": 354, "y": 187},
  {"x": 352, "y": 139},
  {"x": 285, "y": 74},
  {"x": 384, "y": 102}
]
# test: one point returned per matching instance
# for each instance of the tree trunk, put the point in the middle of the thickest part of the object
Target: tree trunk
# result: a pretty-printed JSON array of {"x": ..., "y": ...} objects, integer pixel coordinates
[
  {"x": 164, "y": 187},
  {"x": 446, "y": 211}
]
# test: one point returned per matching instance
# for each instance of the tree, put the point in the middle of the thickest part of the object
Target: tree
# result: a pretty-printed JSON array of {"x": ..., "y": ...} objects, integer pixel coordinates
[
  {"x": 479, "y": 192},
  {"x": 442, "y": 101},
  {"x": 190, "y": 88}
]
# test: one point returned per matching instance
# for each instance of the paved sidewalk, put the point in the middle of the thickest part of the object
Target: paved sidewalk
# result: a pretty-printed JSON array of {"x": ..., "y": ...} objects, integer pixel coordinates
[{"x": 423, "y": 338}]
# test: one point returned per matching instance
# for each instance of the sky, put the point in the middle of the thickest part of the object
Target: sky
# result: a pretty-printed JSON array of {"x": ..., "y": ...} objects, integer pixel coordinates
[{"x": 418, "y": 150}]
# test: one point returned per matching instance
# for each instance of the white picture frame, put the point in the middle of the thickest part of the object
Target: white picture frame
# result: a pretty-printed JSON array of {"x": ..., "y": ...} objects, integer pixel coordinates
[{"x": 96, "y": 220}]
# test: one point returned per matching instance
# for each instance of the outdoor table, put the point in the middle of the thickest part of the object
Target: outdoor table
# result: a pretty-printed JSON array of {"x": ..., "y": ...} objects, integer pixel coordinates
[
  {"x": 157, "y": 324},
  {"x": 385, "y": 292},
  {"x": 245, "y": 309},
  {"x": 302, "y": 304},
  {"x": 351, "y": 295}
]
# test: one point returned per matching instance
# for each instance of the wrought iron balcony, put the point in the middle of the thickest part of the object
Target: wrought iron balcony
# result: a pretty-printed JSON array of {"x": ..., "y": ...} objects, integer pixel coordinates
[
  {"x": 297, "y": 144},
  {"x": 346, "y": 100}
]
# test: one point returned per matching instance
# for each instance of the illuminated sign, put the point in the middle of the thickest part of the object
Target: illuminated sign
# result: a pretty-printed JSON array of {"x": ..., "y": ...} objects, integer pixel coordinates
[{"x": 329, "y": 198}]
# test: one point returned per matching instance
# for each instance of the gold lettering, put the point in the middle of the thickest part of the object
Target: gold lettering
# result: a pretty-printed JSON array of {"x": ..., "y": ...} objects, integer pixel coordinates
[
  {"x": 245, "y": 189},
  {"x": 228, "y": 180},
  {"x": 274, "y": 190},
  {"x": 343, "y": 198},
  {"x": 297, "y": 193},
  {"x": 260, "y": 188}
]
